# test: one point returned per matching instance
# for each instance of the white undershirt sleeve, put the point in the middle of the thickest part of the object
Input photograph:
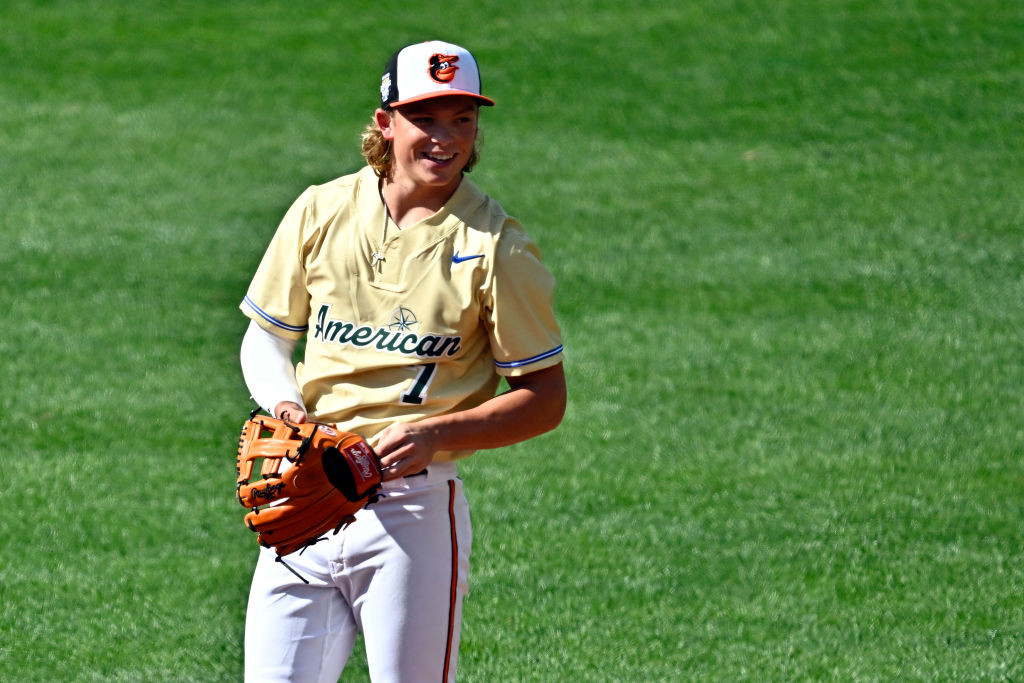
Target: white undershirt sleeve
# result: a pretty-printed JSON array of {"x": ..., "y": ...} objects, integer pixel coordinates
[{"x": 267, "y": 368}]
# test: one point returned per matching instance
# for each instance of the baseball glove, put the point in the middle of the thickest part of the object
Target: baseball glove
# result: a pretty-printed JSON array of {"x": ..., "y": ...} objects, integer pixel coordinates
[{"x": 313, "y": 480}]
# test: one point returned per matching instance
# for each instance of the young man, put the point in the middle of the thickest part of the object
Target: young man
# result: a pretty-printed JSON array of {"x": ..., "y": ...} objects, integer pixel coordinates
[{"x": 416, "y": 293}]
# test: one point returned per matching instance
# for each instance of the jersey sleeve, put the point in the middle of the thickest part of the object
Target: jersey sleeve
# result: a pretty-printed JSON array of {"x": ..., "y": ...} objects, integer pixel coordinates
[
  {"x": 520, "y": 317},
  {"x": 277, "y": 298}
]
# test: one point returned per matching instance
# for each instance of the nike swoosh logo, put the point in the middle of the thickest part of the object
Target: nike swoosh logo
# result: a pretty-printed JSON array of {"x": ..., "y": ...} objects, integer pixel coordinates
[{"x": 459, "y": 259}]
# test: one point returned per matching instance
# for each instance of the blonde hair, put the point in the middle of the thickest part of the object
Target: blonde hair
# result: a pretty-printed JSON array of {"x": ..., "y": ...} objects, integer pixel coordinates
[{"x": 377, "y": 151}]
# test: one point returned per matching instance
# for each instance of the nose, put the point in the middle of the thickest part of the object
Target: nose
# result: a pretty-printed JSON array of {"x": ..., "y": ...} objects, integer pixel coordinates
[{"x": 441, "y": 132}]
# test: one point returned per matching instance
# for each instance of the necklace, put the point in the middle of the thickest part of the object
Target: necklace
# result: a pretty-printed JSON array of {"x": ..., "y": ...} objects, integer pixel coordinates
[{"x": 378, "y": 256}]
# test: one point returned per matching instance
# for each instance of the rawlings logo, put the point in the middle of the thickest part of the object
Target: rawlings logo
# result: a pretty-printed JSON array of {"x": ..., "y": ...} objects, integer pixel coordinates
[
  {"x": 442, "y": 67},
  {"x": 361, "y": 458},
  {"x": 267, "y": 491}
]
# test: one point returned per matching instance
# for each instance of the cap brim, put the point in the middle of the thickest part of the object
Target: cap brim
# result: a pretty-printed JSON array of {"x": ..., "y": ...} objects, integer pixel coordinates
[{"x": 485, "y": 101}]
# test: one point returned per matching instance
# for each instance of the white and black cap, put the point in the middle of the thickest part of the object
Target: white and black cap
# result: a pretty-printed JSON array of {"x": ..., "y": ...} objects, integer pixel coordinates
[{"x": 432, "y": 69}]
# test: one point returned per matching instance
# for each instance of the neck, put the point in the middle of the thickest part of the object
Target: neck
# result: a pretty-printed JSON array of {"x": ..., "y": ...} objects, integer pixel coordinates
[{"x": 410, "y": 204}]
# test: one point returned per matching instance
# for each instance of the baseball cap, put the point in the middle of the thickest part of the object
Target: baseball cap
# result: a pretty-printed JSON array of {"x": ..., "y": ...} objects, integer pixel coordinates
[{"x": 432, "y": 69}]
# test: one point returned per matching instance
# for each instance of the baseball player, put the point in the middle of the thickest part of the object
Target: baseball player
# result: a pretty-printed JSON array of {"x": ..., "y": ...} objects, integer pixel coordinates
[{"x": 415, "y": 293}]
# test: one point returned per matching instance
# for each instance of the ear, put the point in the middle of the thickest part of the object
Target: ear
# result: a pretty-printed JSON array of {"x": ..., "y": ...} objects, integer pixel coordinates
[{"x": 384, "y": 121}]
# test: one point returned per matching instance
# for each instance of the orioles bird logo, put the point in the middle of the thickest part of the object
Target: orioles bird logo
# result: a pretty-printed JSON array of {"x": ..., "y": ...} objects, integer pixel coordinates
[{"x": 442, "y": 67}]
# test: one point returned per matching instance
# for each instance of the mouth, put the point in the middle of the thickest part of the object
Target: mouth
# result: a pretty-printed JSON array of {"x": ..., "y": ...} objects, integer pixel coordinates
[{"x": 438, "y": 158}]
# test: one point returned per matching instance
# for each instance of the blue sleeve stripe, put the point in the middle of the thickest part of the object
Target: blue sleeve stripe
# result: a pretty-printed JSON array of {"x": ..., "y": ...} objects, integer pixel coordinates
[
  {"x": 272, "y": 320},
  {"x": 520, "y": 363}
]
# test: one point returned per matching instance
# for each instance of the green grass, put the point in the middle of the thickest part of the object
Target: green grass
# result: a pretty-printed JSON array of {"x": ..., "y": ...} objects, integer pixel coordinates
[{"x": 789, "y": 238}]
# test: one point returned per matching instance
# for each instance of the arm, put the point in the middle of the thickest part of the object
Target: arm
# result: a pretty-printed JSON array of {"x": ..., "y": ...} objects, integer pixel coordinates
[
  {"x": 269, "y": 373},
  {"x": 534, "y": 404}
]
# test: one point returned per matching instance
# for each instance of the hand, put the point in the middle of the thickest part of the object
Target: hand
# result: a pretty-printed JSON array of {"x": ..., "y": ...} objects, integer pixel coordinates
[
  {"x": 290, "y": 412},
  {"x": 405, "y": 449}
]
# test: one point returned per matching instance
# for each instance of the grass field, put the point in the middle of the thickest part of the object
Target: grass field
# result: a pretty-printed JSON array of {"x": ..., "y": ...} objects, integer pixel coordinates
[{"x": 789, "y": 237}]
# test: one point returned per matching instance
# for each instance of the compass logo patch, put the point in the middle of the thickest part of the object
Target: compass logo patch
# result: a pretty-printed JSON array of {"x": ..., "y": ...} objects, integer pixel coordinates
[{"x": 403, "y": 320}]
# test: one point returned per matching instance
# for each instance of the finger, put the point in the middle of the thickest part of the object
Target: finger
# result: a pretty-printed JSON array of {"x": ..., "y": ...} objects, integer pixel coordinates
[
  {"x": 391, "y": 450},
  {"x": 392, "y": 472},
  {"x": 386, "y": 444},
  {"x": 289, "y": 411},
  {"x": 294, "y": 416},
  {"x": 392, "y": 454}
]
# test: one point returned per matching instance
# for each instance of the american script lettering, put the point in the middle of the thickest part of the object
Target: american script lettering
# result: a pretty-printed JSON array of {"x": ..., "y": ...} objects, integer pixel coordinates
[{"x": 342, "y": 332}]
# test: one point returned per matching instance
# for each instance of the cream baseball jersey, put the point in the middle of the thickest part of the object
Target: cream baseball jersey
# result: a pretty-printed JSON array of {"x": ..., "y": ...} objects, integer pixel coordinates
[{"x": 402, "y": 324}]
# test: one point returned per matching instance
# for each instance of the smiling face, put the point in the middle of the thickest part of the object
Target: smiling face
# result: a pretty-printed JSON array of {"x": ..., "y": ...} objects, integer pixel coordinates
[{"x": 431, "y": 142}]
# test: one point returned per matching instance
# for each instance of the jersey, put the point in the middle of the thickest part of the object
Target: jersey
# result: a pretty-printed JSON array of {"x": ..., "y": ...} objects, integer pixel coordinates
[{"x": 403, "y": 324}]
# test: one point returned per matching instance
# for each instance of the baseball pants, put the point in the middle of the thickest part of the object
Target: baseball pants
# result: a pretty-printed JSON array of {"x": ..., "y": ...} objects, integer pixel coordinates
[{"x": 398, "y": 574}]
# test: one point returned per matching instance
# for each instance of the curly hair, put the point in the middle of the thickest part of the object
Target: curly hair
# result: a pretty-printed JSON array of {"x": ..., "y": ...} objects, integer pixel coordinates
[{"x": 377, "y": 151}]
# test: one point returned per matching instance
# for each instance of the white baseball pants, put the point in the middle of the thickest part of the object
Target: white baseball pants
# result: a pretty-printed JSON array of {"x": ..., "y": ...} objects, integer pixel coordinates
[{"x": 398, "y": 574}]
